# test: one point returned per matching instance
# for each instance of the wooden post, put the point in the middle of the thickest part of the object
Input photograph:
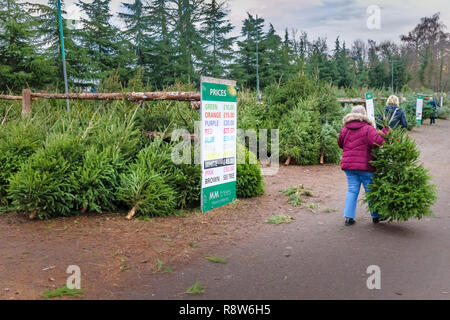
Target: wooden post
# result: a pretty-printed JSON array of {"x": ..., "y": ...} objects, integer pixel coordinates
[{"x": 26, "y": 102}]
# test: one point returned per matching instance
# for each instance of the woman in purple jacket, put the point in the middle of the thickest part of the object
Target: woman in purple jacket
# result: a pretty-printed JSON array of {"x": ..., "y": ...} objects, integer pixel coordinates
[{"x": 357, "y": 139}]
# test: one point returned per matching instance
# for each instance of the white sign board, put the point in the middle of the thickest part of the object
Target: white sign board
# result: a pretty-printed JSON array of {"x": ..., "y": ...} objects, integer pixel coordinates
[
  {"x": 218, "y": 142},
  {"x": 419, "y": 107},
  {"x": 370, "y": 109}
]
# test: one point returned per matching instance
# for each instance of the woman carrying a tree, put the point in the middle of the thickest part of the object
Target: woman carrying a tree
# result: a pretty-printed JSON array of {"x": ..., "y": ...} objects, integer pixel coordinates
[
  {"x": 395, "y": 115},
  {"x": 357, "y": 139}
]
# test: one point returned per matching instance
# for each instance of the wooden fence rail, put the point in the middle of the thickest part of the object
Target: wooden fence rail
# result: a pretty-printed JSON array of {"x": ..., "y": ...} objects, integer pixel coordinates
[
  {"x": 7, "y": 97},
  {"x": 194, "y": 97},
  {"x": 28, "y": 96}
]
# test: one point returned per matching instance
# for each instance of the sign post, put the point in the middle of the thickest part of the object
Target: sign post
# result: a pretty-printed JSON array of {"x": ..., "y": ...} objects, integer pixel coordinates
[
  {"x": 370, "y": 107},
  {"x": 218, "y": 142},
  {"x": 63, "y": 54},
  {"x": 419, "y": 107}
]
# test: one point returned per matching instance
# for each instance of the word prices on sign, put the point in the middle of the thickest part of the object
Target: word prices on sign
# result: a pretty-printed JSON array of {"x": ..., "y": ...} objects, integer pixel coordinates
[
  {"x": 419, "y": 107},
  {"x": 218, "y": 142},
  {"x": 370, "y": 106}
]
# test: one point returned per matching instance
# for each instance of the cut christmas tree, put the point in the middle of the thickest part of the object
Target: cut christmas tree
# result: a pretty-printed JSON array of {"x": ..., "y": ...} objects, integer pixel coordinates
[{"x": 401, "y": 187}]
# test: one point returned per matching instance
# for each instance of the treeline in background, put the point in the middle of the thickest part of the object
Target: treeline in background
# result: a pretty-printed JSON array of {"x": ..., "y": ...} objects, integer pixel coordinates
[{"x": 160, "y": 43}]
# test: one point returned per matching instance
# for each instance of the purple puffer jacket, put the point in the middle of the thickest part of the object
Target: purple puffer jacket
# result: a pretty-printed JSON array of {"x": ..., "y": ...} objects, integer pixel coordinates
[{"x": 357, "y": 139}]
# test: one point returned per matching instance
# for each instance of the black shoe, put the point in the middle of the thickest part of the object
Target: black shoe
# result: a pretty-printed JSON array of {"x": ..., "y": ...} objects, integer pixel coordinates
[
  {"x": 377, "y": 220},
  {"x": 349, "y": 221}
]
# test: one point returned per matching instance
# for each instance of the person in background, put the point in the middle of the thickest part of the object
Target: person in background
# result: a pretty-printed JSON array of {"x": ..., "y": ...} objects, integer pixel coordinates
[
  {"x": 357, "y": 139},
  {"x": 433, "y": 115},
  {"x": 394, "y": 113}
]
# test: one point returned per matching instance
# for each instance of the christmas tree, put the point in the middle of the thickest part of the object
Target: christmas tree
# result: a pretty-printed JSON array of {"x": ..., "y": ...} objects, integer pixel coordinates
[{"x": 401, "y": 187}]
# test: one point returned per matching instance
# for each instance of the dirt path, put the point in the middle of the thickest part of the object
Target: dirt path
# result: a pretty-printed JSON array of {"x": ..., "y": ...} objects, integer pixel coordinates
[
  {"x": 315, "y": 257},
  {"x": 323, "y": 259}
]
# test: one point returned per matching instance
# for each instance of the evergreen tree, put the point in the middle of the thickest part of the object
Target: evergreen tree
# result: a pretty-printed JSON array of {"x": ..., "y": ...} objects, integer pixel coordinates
[
  {"x": 319, "y": 65},
  {"x": 299, "y": 48},
  {"x": 245, "y": 64},
  {"x": 377, "y": 71},
  {"x": 286, "y": 56},
  {"x": 136, "y": 32},
  {"x": 361, "y": 70},
  {"x": 104, "y": 47},
  {"x": 49, "y": 40},
  {"x": 161, "y": 52},
  {"x": 218, "y": 46},
  {"x": 20, "y": 63},
  {"x": 401, "y": 187},
  {"x": 343, "y": 66},
  {"x": 189, "y": 43},
  {"x": 272, "y": 66}
]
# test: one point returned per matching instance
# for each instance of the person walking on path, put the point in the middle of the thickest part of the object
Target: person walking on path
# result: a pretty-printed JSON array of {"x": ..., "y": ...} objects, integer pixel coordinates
[
  {"x": 433, "y": 115},
  {"x": 394, "y": 113},
  {"x": 357, "y": 139}
]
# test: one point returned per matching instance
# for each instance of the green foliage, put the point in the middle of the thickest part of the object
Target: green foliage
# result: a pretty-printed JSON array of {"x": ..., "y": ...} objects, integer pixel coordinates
[
  {"x": 279, "y": 219},
  {"x": 299, "y": 133},
  {"x": 98, "y": 178},
  {"x": 295, "y": 194},
  {"x": 196, "y": 288},
  {"x": 146, "y": 191},
  {"x": 218, "y": 45},
  {"x": 62, "y": 292},
  {"x": 18, "y": 141},
  {"x": 312, "y": 206},
  {"x": 328, "y": 146},
  {"x": 147, "y": 184},
  {"x": 282, "y": 99},
  {"x": 249, "y": 181},
  {"x": 188, "y": 185},
  {"x": 21, "y": 64},
  {"x": 444, "y": 112},
  {"x": 47, "y": 182},
  {"x": 401, "y": 187},
  {"x": 185, "y": 179},
  {"x": 163, "y": 267},
  {"x": 215, "y": 259}
]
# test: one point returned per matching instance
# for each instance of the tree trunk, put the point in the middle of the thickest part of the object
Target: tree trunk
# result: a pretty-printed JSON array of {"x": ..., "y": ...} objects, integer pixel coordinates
[
  {"x": 33, "y": 214},
  {"x": 288, "y": 161},
  {"x": 322, "y": 156},
  {"x": 131, "y": 213}
]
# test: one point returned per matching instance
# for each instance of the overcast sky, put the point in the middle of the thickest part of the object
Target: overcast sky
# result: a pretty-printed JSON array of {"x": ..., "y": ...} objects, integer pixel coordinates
[{"x": 324, "y": 18}]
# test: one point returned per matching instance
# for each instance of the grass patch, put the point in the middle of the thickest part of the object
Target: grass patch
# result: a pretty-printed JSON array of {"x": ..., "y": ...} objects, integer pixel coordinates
[
  {"x": 194, "y": 245},
  {"x": 234, "y": 204},
  {"x": 62, "y": 292},
  {"x": 196, "y": 288},
  {"x": 161, "y": 235},
  {"x": 295, "y": 194},
  {"x": 312, "y": 206},
  {"x": 123, "y": 266},
  {"x": 143, "y": 218},
  {"x": 216, "y": 259},
  {"x": 279, "y": 219},
  {"x": 330, "y": 210},
  {"x": 162, "y": 267}
]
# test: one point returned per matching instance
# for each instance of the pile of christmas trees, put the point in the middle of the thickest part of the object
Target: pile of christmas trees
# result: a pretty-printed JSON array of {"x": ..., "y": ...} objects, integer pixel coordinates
[{"x": 401, "y": 187}]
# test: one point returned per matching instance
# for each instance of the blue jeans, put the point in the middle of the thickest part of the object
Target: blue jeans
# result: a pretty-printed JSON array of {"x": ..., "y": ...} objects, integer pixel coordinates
[{"x": 354, "y": 179}]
